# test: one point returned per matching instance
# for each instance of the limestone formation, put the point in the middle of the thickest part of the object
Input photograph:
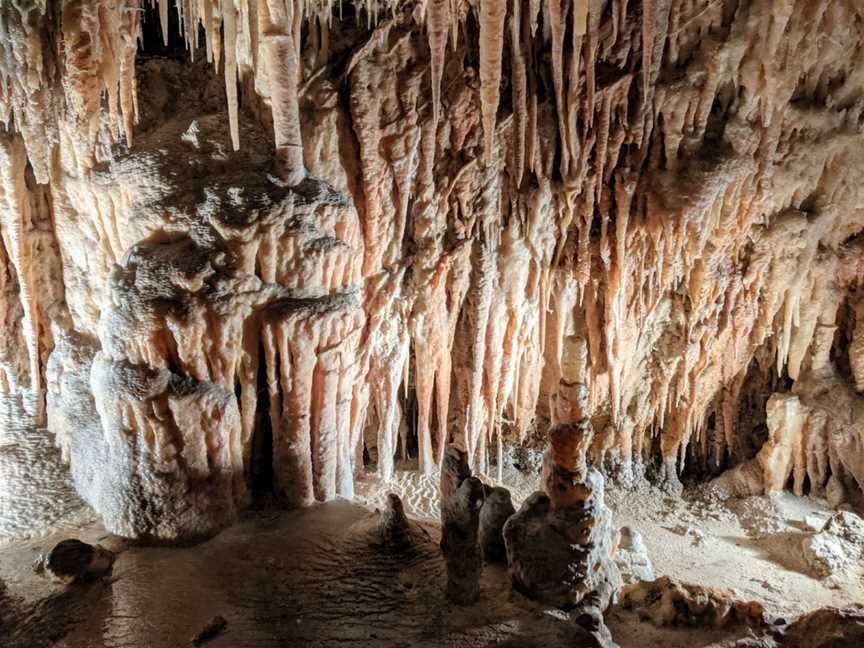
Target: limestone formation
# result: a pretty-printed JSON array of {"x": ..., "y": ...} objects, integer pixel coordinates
[
  {"x": 299, "y": 222},
  {"x": 72, "y": 561},
  {"x": 669, "y": 602},
  {"x": 460, "y": 528},
  {"x": 454, "y": 470},
  {"x": 562, "y": 553},
  {"x": 837, "y": 546},
  {"x": 497, "y": 508},
  {"x": 393, "y": 526},
  {"x": 632, "y": 557},
  {"x": 561, "y": 544},
  {"x": 812, "y": 437},
  {"x": 252, "y": 250},
  {"x": 826, "y": 628}
]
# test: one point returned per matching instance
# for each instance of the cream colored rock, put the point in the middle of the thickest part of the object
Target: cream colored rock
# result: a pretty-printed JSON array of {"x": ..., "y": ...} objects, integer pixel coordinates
[
  {"x": 836, "y": 546},
  {"x": 369, "y": 226}
]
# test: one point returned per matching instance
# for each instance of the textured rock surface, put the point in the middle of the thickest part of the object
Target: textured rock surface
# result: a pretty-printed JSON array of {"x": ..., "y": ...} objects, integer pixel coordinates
[
  {"x": 497, "y": 508},
  {"x": 393, "y": 527},
  {"x": 460, "y": 528},
  {"x": 632, "y": 557},
  {"x": 561, "y": 554},
  {"x": 561, "y": 544},
  {"x": 649, "y": 210},
  {"x": 302, "y": 578},
  {"x": 837, "y": 546},
  {"x": 72, "y": 560},
  {"x": 668, "y": 602},
  {"x": 827, "y": 628}
]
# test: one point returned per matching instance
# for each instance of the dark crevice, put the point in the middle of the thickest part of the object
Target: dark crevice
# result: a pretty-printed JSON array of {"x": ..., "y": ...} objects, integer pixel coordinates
[
  {"x": 151, "y": 43},
  {"x": 842, "y": 339},
  {"x": 262, "y": 435}
]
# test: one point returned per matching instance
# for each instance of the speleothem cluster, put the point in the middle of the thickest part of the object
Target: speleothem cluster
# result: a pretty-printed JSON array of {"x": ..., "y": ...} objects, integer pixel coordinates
[{"x": 332, "y": 224}]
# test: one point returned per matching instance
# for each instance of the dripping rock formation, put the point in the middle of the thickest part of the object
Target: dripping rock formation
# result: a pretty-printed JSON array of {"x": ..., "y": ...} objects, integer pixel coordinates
[{"x": 265, "y": 254}]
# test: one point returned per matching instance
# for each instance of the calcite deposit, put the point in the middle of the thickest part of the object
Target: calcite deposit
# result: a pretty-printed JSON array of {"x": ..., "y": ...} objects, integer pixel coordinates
[
  {"x": 667, "y": 602},
  {"x": 561, "y": 545},
  {"x": 248, "y": 245},
  {"x": 497, "y": 509},
  {"x": 462, "y": 498}
]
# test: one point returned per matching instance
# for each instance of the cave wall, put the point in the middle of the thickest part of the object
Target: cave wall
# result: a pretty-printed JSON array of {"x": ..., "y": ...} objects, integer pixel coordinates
[{"x": 321, "y": 219}]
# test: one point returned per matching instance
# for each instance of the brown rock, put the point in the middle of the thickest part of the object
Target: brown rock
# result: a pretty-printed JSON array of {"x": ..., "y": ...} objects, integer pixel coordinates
[
  {"x": 561, "y": 554},
  {"x": 667, "y": 602},
  {"x": 497, "y": 508},
  {"x": 827, "y": 628},
  {"x": 459, "y": 541},
  {"x": 71, "y": 561}
]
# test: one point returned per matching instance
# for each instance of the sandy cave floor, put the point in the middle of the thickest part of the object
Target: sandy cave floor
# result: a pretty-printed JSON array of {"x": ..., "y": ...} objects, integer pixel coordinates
[
  {"x": 750, "y": 546},
  {"x": 312, "y": 578}
]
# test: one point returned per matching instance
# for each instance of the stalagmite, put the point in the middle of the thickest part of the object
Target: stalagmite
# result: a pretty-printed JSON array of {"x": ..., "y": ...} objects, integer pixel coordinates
[
  {"x": 497, "y": 509},
  {"x": 560, "y": 545},
  {"x": 425, "y": 258},
  {"x": 461, "y": 501}
]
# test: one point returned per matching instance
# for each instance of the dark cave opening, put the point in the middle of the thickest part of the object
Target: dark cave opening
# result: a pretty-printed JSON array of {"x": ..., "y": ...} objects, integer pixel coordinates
[
  {"x": 151, "y": 43},
  {"x": 262, "y": 436},
  {"x": 846, "y": 322}
]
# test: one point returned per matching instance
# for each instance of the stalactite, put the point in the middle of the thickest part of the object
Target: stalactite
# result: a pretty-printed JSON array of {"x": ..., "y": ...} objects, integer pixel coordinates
[
  {"x": 701, "y": 208},
  {"x": 557, "y": 14},
  {"x": 520, "y": 89},
  {"x": 229, "y": 23},
  {"x": 492, "y": 16},
  {"x": 437, "y": 25},
  {"x": 580, "y": 17},
  {"x": 280, "y": 59},
  {"x": 649, "y": 34},
  {"x": 163, "y": 20},
  {"x": 856, "y": 348},
  {"x": 14, "y": 220}
]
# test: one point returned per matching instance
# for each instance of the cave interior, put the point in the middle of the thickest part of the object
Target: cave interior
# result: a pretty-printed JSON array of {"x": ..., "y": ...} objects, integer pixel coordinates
[{"x": 432, "y": 323}]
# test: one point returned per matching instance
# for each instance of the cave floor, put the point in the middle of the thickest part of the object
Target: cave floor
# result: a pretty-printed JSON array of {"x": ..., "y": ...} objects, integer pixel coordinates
[
  {"x": 312, "y": 578},
  {"x": 751, "y": 546},
  {"x": 293, "y": 578}
]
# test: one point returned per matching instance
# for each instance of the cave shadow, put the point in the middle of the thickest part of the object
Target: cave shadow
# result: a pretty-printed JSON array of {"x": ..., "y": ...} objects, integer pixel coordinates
[{"x": 781, "y": 549}]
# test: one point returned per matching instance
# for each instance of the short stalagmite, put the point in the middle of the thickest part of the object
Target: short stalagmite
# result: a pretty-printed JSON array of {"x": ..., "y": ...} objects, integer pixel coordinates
[
  {"x": 461, "y": 501},
  {"x": 497, "y": 508}
]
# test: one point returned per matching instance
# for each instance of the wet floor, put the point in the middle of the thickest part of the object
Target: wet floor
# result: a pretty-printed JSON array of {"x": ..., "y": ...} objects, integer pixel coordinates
[{"x": 305, "y": 578}]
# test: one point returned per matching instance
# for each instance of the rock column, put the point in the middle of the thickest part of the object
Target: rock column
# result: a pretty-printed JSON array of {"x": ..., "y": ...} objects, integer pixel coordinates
[
  {"x": 561, "y": 544},
  {"x": 461, "y": 501}
]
